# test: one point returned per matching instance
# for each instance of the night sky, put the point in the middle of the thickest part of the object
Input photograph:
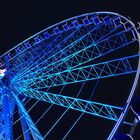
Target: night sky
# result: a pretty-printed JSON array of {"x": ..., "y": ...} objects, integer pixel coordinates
[{"x": 22, "y": 19}]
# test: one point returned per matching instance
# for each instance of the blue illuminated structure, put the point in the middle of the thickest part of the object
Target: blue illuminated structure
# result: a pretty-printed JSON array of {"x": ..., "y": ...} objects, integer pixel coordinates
[{"x": 83, "y": 49}]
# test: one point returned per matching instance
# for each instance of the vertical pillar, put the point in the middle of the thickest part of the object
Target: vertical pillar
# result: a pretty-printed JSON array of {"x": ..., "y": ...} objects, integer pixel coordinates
[
  {"x": 6, "y": 114},
  {"x": 1, "y": 127}
]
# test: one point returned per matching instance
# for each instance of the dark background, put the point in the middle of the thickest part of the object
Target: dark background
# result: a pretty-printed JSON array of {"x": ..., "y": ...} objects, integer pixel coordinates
[{"x": 21, "y": 19}]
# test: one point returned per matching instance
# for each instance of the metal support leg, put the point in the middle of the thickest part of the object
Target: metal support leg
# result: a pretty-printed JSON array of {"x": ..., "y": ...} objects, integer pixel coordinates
[
  {"x": 33, "y": 129},
  {"x": 25, "y": 128}
]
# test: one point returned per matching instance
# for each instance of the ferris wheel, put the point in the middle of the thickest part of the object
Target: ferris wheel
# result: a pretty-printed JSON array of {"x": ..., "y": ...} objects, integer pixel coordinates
[{"x": 87, "y": 65}]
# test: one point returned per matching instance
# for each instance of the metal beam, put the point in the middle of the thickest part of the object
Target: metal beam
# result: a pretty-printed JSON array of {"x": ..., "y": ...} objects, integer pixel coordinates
[{"x": 34, "y": 131}]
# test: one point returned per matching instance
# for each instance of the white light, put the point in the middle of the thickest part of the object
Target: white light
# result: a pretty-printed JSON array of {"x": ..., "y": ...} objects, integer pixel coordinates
[{"x": 2, "y": 72}]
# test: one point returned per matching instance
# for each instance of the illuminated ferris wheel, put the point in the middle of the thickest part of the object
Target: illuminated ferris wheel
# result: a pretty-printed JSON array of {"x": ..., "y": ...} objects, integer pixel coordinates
[{"x": 78, "y": 66}]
